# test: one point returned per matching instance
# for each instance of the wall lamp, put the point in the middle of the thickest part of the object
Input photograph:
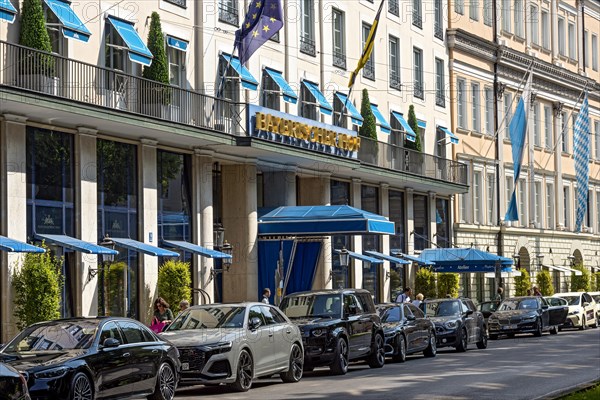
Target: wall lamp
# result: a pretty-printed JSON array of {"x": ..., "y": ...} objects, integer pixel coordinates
[{"x": 106, "y": 258}]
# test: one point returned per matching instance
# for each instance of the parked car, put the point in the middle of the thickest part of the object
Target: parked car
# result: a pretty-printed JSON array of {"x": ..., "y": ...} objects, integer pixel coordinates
[
  {"x": 338, "y": 326},
  {"x": 526, "y": 314},
  {"x": 556, "y": 301},
  {"x": 13, "y": 385},
  {"x": 582, "y": 310},
  {"x": 596, "y": 297},
  {"x": 457, "y": 323},
  {"x": 235, "y": 343},
  {"x": 88, "y": 358},
  {"x": 487, "y": 308},
  {"x": 406, "y": 331}
]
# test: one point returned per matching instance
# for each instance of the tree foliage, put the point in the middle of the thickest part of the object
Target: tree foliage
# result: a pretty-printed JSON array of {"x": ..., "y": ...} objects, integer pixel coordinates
[
  {"x": 425, "y": 283},
  {"x": 33, "y": 34},
  {"x": 543, "y": 280},
  {"x": 581, "y": 282},
  {"x": 412, "y": 122},
  {"x": 522, "y": 283},
  {"x": 447, "y": 284},
  {"x": 158, "y": 70},
  {"x": 596, "y": 282},
  {"x": 37, "y": 286},
  {"x": 114, "y": 281},
  {"x": 174, "y": 282},
  {"x": 369, "y": 126}
]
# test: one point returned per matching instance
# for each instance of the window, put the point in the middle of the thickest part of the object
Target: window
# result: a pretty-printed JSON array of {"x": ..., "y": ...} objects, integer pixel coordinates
[
  {"x": 440, "y": 99},
  {"x": 463, "y": 207},
  {"x": 307, "y": 28},
  {"x": 228, "y": 12},
  {"x": 537, "y": 189},
  {"x": 339, "y": 47},
  {"x": 507, "y": 113},
  {"x": 519, "y": 10},
  {"x": 474, "y": 10},
  {"x": 509, "y": 189},
  {"x": 132, "y": 332},
  {"x": 462, "y": 103},
  {"x": 476, "y": 108},
  {"x": 561, "y": 37},
  {"x": 54, "y": 28},
  {"x": 394, "y": 63},
  {"x": 594, "y": 52},
  {"x": 369, "y": 69},
  {"x": 491, "y": 190},
  {"x": 598, "y": 211},
  {"x": 586, "y": 54},
  {"x": 477, "y": 198},
  {"x": 571, "y": 129},
  {"x": 459, "y": 6},
  {"x": 442, "y": 222},
  {"x": 589, "y": 210},
  {"x": 549, "y": 205},
  {"x": 564, "y": 131},
  {"x": 545, "y": 29},
  {"x": 489, "y": 110},
  {"x": 522, "y": 198},
  {"x": 505, "y": 14},
  {"x": 548, "y": 142},
  {"x": 394, "y": 8},
  {"x": 567, "y": 206},
  {"x": 417, "y": 14},
  {"x": 487, "y": 12},
  {"x": 115, "y": 58},
  {"x": 534, "y": 24},
  {"x": 418, "y": 73},
  {"x": 270, "y": 92},
  {"x": 438, "y": 24},
  {"x": 231, "y": 83},
  {"x": 180, "y": 3},
  {"x": 176, "y": 60},
  {"x": 421, "y": 221},
  {"x": 597, "y": 136},
  {"x": 572, "y": 42},
  {"x": 308, "y": 106},
  {"x": 338, "y": 106},
  {"x": 537, "y": 140},
  {"x": 110, "y": 331}
]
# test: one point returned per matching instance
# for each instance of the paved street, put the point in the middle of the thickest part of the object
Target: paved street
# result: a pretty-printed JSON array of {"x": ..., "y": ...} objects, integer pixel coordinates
[{"x": 521, "y": 368}]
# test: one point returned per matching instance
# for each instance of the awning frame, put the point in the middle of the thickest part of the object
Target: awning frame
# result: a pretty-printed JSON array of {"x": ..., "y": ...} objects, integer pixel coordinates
[
  {"x": 448, "y": 132},
  {"x": 17, "y": 246},
  {"x": 411, "y": 136},
  {"x": 288, "y": 94},
  {"x": 361, "y": 257},
  {"x": 76, "y": 244},
  {"x": 561, "y": 268},
  {"x": 247, "y": 79},
  {"x": 8, "y": 12},
  {"x": 392, "y": 259},
  {"x": 142, "y": 247},
  {"x": 71, "y": 24},
  {"x": 137, "y": 50},
  {"x": 355, "y": 116},
  {"x": 324, "y": 106},
  {"x": 196, "y": 249},
  {"x": 381, "y": 121}
]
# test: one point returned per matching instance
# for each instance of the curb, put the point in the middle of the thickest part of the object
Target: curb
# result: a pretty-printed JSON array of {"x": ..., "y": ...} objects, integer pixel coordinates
[{"x": 557, "y": 394}]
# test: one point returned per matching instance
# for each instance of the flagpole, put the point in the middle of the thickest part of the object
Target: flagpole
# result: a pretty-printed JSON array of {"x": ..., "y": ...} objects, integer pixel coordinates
[
  {"x": 221, "y": 83},
  {"x": 344, "y": 106}
]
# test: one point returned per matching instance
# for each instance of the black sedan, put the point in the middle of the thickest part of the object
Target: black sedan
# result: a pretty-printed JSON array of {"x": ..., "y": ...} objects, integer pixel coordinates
[
  {"x": 528, "y": 314},
  {"x": 88, "y": 358},
  {"x": 406, "y": 331},
  {"x": 12, "y": 384}
]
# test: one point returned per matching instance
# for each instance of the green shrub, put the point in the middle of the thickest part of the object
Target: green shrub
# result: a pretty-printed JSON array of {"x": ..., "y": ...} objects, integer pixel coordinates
[
  {"x": 33, "y": 34},
  {"x": 522, "y": 283},
  {"x": 543, "y": 280},
  {"x": 158, "y": 70},
  {"x": 447, "y": 284},
  {"x": 369, "y": 126},
  {"x": 114, "y": 281},
  {"x": 412, "y": 121},
  {"x": 582, "y": 282},
  {"x": 174, "y": 282},
  {"x": 425, "y": 283},
  {"x": 596, "y": 281},
  {"x": 37, "y": 285}
]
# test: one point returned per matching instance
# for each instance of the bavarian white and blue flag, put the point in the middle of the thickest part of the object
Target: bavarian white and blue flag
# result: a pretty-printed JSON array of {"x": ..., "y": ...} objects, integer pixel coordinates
[
  {"x": 518, "y": 131},
  {"x": 581, "y": 151}
]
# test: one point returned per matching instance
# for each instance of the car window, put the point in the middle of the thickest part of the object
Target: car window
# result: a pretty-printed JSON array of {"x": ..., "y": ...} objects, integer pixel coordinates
[
  {"x": 464, "y": 307},
  {"x": 269, "y": 318},
  {"x": 131, "y": 332},
  {"x": 350, "y": 300},
  {"x": 489, "y": 306},
  {"x": 256, "y": 311},
  {"x": 366, "y": 302},
  {"x": 278, "y": 316},
  {"x": 110, "y": 331},
  {"x": 572, "y": 300},
  {"x": 587, "y": 298},
  {"x": 416, "y": 311},
  {"x": 528, "y": 304},
  {"x": 148, "y": 336},
  {"x": 390, "y": 314},
  {"x": 320, "y": 305},
  {"x": 407, "y": 312}
]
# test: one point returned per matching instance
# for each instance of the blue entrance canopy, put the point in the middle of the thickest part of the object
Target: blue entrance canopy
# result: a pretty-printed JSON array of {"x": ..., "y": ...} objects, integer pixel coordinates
[
  {"x": 141, "y": 247},
  {"x": 323, "y": 221},
  {"x": 411, "y": 258},
  {"x": 362, "y": 257},
  {"x": 16, "y": 246},
  {"x": 248, "y": 80},
  {"x": 8, "y": 12},
  {"x": 453, "y": 138},
  {"x": 194, "y": 248},
  {"x": 76, "y": 244},
  {"x": 324, "y": 105},
  {"x": 138, "y": 51},
  {"x": 386, "y": 257},
  {"x": 464, "y": 260},
  {"x": 176, "y": 43},
  {"x": 288, "y": 93},
  {"x": 355, "y": 116},
  {"x": 72, "y": 27},
  {"x": 410, "y": 134},
  {"x": 383, "y": 124}
]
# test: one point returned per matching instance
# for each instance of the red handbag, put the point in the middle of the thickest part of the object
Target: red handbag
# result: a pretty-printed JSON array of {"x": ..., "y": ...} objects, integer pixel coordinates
[{"x": 157, "y": 326}]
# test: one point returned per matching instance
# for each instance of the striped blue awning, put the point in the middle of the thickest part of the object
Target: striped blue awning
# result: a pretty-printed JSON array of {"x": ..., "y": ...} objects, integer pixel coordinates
[
  {"x": 386, "y": 257},
  {"x": 138, "y": 51},
  {"x": 16, "y": 246},
  {"x": 355, "y": 116},
  {"x": 362, "y": 257},
  {"x": 453, "y": 138},
  {"x": 410, "y": 134},
  {"x": 288, "y": 93},
  {"x": 72, "y": 27},
  {"x": 76, "y": 244},
  {"x": 421, "y": 124},
  {"x": 8, "y": 12},
  {"x": 248, "y": 80},
  {"x": 324, "y": 105},
  {"x": 381, "y": 121},
  {"x": 141, "y": 247},
  {"x": 194, "y": 248},
  {"x": 176, "y": 43}
]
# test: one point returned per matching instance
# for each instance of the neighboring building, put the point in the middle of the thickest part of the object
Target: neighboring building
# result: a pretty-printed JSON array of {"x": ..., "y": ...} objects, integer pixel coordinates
[
  {"x": 488, "y": 64},
  {"x": 91, "y": 150}
]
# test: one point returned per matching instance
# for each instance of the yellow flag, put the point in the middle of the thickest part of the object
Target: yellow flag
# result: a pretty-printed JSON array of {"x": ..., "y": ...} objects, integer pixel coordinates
[{"x": 368, "y": 49}]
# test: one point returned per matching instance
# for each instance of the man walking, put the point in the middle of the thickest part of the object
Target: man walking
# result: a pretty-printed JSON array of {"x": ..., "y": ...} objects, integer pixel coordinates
[{"x": 404, "y": 297}]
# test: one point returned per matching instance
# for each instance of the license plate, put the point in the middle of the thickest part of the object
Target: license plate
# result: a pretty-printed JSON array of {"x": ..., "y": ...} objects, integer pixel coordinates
[
  {"x": 185, "y": 366},
  {"x": 509, "y": 327}
]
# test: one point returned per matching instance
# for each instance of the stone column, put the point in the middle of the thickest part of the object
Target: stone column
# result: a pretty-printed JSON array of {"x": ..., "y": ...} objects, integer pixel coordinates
[
  {"x": 384, "y": 207},
  {"x": 410, "y": 227},
  {"x": 558, "y": 182},
  {"x": 86, "y": 208},
  {"x": 148, "y": 221},
  {"x": 13, "y": 190},
  {"x": 554, "y": 29},
  {"x": 432, "y": 219},
  {"x": 355, "y": 266},
  {"x": 579, "y": 39},
  {"x": 281, "y": 186},
  {"x": 240, "y": 222}
]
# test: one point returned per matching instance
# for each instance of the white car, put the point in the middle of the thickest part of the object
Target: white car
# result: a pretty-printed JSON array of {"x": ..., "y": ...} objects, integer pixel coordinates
[
  {"x": 596, "y": 297},
  {"x": 582, "y": 310}
]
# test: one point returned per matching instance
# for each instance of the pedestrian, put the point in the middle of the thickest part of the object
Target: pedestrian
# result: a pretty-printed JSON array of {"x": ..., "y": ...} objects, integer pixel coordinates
[
  {"x": 536, "y": 291},
  {"x": 499, "y": 294},
  {"x": 162, "y": 315},
  {"x": 404, "y": 297},
  {"x": 266, "y": 295},
  {"x": 418, "y": 300},
  {"x": 184, "y": 305},
  {"x": 528, "y": 292}
]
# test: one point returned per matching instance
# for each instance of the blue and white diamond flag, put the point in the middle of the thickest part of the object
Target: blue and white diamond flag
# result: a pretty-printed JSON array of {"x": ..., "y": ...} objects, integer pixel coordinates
[{"x": 581, "y": 151}]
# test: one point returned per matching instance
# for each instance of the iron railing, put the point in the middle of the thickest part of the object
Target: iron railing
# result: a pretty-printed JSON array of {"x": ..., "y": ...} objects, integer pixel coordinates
[
  {"x": 50, "y": 74},
  {"x": 418, "y": 90},
  {"x": 369, "y": 70},
  {"x": 417, "y": 20},
  {"x": 438, "y": 30},
  {"x": 395, "y": 79},
  {"x": 398, "y": 158},
  {"x": 394, "y": 8},
  {"x": 307, "y": 46},
  {"x": 440, "y": 99},
  {"x": 228, "y": 14},
  {"x": 339, "y": 59},
  {"x": 180, "y": 3}
]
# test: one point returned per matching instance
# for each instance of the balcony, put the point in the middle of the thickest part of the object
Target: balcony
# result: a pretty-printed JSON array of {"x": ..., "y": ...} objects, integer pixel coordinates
[
  {"x": 369, "y": 70},
  {"x": 339, "y": 59},
  {"x": 307, "y": 46},
  {"x": 394, "y": 8},
  {"x": 417, "y": 20},
  {"x": 388, "y": 156},
  {"x": 228, "y": 14},
  {"x": 395, "y": 79},
  {"x": 438, "y": 32},
  {"x": 180, "y": 3}
]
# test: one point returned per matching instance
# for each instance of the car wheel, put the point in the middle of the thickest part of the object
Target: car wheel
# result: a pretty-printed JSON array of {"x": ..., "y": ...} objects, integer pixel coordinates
[
  {"x": 583, "y": 324},
  {"x": 81, "y": 387},
  {"x": 308, "y": 368},
  {"x": 377, "y": 357},
  {"x": 493, "y": 336},
  {"x": 431, "y": 350},
  {"x": 482, "y": 344},
  {"x": 554, "y": 330},
  {"x": 165, "y": 383},
  {"x": 340, "y": 361},
  {"x": 596, "y": 322},
  {"x": 245, "y": 372},
  {"x": 538, "y": 328},
  {"x": 294, "y": 372},
  {"x": 463, "y": 341},
  {"x": 400, "y": 355}
]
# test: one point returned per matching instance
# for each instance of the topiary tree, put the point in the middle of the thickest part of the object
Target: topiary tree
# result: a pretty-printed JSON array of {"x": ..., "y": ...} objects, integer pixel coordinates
[
  {"x": 543, "y": 280},
  {"x": 596, "y": 280},
  {"x": 158, "y": 70},
  {"x": 447, "y": 284},
  {"x": 522, "y": 283},
  {"x": 37, "y": 285},
  {"x": 412, "y": 121},
  {"x": 369, "y": 126},
  {"x": 114, "y": 282},
  {"x": 33, "y": 34},
  {"x": 425, "y": 283},
  {"x": 581, "y": 282},
  {"x": 174, "y": 282}
]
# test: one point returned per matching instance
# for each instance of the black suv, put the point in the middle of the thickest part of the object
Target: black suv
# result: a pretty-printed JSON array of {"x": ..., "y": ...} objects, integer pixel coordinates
[{"x": 338, "y": 326}]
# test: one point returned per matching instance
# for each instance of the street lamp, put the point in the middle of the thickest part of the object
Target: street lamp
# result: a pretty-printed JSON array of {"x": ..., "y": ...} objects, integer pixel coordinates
[
  {"x": 107, "y": 258},
  {"x": 540, "y": 259},
  {"x": 344, "y": 257},
  {"x": 571, "y": 259},
  {"x": 227, "y": 249},
  {"x": 219, "y": 235}
]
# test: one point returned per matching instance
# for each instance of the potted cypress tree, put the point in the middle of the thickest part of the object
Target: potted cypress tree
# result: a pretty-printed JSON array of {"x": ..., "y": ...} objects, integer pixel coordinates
[
  {"x": 413, "y": 160},
  {"x": 368, "y": 130},
  {"x": 157, "y": 96},
  {"x": 36, "y": 70}
]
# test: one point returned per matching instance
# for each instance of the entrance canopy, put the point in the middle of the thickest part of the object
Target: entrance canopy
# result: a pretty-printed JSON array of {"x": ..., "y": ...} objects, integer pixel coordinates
[
  {"x": 464, "y": 260},
  {"x": 76, "y": 244},
  {"x": 194, "y": 248},
  {"x": 144, "y": 248},
  {"x": 16, "y": 246},
  {"x": 563, "y": 269},
  {"x": 323, "y": 221}
]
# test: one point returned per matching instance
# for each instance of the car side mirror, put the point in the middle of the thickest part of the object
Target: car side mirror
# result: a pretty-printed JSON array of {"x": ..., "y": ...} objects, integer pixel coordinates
[
  {"x": 545, "y": 306},
  {"x": 254, "y": 323},
  {"x": 352, "y": 310},
  {"x": 410, "y": 318},
  {"x": 585, "y": 304},
  {"x": 111, "y": 342},
  {"x": 469, "y": 312}
]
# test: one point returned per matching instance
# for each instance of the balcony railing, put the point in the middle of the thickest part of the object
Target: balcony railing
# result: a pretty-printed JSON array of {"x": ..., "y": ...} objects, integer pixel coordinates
[
  {"x": 398, "y": 158},
  {"x": 393, "y": 7},
  {"x": 369, "y": 70},
  {"x": 418, "y": 90},
  {"x": 438, "y": 31},
  {"x": 440, "y": 99},
  {"x": 307, "y": 46},
  {"x": 417, "y": 20},
  {"x": 180, "y": 3},
  {"x": 395, "y": 79},
  {"x": 53, "y": 75},
  {"x": 228, "y": 14},
  {"x": 339, "y": 59}
]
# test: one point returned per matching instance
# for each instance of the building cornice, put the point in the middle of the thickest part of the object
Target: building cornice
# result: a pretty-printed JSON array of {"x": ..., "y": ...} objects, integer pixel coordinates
[{"x": 464, "y": 41}]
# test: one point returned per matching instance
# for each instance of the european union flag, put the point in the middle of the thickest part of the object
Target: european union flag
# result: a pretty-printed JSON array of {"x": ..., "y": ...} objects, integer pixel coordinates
[{"x": 263, "y": 20}]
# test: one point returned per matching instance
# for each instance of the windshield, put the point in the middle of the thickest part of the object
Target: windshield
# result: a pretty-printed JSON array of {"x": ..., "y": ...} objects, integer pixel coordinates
[
  {"x": 571, "y": 300},
  {"x": 209, "y": 318},
  {"x": 596, "y": 298},
  {"x": 320, "y": 306},
  {"x": 442, "y": 308},
  {"x": 514, "y": 304},
  {"x": 556, "y": 301},
  {"x": 390, "y": 314},
  {"x": 488, "y": 306},
  {"x": 54, "y": 336}
]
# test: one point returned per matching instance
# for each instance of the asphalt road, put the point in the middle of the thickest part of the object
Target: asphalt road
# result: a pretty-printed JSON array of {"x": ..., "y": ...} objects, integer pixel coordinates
[{"x": 525, "y": 367}]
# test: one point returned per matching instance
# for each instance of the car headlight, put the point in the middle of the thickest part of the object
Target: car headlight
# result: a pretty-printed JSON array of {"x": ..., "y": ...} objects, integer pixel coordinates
[
  {"x": 574, "y": 312},
  {"x": 221, "y": 347},
  {"x": 529, "y": 318},
  {"x": 51, "y": 373},
  {"x": 389, "y": 334},
  {"x": 318, "y": 332},
  {"x": 451, "y": 324}
]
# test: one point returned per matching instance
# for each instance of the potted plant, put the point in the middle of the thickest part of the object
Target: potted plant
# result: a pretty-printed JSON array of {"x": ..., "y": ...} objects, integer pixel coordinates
[
  {"x": 368, "y": 130},
  {"x": 447, "y": 284},
  {"x": 522, "y": 283},
  {"x": 413, "y": 160},
  {"x": 174, "y": 282},
  {"x": 543, "y": 281},
  {"x": 157, "y": 95},
  {"x": 425, "y": 283}
]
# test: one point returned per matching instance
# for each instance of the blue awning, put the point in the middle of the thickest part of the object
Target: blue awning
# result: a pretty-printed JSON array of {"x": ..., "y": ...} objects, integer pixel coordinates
[
  {"x": 410, "y": 134},
  {"x": 362, "y": 257},
  {"x": 324, "y": 105},
  {"x": 411, "y": 258},
  {"x": 453, "y": 138},
  {"x": 141, "y": 247},
  {"x": 381, "y": 121},
  {"x": 176, "y": 43},
  {"x": 72, "y": 27},
  {"x": 464, "y": 260},
  {"x": 288, "y": 93},
  {"x": 16, "y": 246},
  {"x": 382, "y": 256},
  {"x": 194, "y": 248},
  {"x": 421, "y": 124},
  {"x": 76, "y": 244},
  {"x": 248, "y": 80},
  {"x": 355, "y": 116},
  {"x": 323, "y": 221},
  {"x": 138, "y": 51},
  {"x": 8, "y": 12}
]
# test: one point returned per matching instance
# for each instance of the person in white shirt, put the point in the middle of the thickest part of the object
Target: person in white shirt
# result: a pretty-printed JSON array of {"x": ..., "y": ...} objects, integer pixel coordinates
[
  {"x": 266, "y": 295},
  {"x": 404, "y": 297},
  {"x": 416, "y": 302}
]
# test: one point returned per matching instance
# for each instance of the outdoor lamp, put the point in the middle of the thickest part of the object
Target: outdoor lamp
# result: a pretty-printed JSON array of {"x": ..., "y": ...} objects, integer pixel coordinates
[
  {"x": 227, "y": 249},
  {"x": 540, "y": 258},
  {"x": 219, "y": 235},
  {"x": 344, "y": 257},
  {"x": 571, "y": 260},
  {"x": 106, "y": 242}
]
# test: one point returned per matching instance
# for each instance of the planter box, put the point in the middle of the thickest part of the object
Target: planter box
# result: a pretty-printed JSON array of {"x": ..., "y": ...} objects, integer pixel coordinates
[{"x": 40, "y": 83}]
